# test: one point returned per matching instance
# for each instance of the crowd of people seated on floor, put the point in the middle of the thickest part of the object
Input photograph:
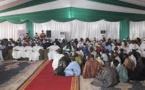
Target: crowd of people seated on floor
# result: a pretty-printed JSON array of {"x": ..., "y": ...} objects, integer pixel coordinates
[{"x": 107, "y": 61}]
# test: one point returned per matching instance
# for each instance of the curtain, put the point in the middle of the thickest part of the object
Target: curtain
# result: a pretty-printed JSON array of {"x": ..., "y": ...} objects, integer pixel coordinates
[
  {"x": 55, "y": 28},
  {"x": 79, "y": 29},
  {"x": 9, "y": 30},
  {"x": 124, "y": 29},
  {"x": 70, "y": 13},
  {"x": 29, "y": 26},
  {"x": 82, "y": 29},
  {"x": 137, "y": 29}
]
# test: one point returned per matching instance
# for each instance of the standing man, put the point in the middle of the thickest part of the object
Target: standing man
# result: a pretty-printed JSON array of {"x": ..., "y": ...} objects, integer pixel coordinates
[
  {"x": 27, "y": 37},
  {"x": 42, "y": 36},
  {"x": 36, "y": 36},
  {"x": 2, "y": 46}
]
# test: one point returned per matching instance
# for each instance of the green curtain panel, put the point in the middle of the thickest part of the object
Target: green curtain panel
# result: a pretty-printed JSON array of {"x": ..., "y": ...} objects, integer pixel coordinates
[
  {"x": 68, "y": 14},
  {"x": 124, "y": 29},
  {"x": 29, "y": 26}
]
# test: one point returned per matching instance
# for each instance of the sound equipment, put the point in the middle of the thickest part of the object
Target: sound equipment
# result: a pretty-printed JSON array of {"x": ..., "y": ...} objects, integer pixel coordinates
[
  {"x": 103, "y": 32},
  {"x": 48, "y": 33}
]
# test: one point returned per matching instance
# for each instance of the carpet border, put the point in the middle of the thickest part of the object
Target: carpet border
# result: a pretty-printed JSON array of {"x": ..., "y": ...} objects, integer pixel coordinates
[
  {"x": 74, "y": 83},
  {"x": 33, "y": 76}
]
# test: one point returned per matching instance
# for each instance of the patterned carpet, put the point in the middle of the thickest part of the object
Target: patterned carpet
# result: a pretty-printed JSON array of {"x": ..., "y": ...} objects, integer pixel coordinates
[
  {"x": 14, "y": 73},
  {"x": 10, "y": 69}
]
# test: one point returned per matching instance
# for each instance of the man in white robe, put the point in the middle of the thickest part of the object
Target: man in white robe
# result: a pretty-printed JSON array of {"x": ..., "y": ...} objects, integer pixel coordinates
[
  {"x": 56, "y": 60},
  {"x": 142, "y": 47},
  {"x": 52, "y": 51},
  {"x": 35, "y": 53},
  {"x": 21, "y": 50},
  {"x": 16, "y": 52},
  {"x": 24, "y": 51},
  {"x": 125, "y": 47},
  {"x": 104, "y": 56},
  {"x": 1, "y": 54},
  {"x": 80, "y": 43},
  {"x": 133, "y": 46},
  {"x": 132, "y": 58},
  {"x": 28, "y": 51}
]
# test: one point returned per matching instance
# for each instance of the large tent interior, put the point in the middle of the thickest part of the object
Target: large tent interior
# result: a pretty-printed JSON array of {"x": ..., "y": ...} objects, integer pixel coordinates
[{"x": 120, "y": 19}]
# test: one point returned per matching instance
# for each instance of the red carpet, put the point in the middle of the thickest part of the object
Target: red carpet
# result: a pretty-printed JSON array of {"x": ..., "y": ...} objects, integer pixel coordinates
[{"x": 43, "y": 79}]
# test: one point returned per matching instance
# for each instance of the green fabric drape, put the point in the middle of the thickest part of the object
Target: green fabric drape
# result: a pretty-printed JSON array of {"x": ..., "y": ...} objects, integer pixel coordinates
[
  {"x": 90, "y": 15},
  {"x": 68, "y": 14},
  {"x": 71, "y": 13},
  {"x": 61, "y": 15},
  {"x": 29, "y": 26},
  {"x": 124, "y": 29}
]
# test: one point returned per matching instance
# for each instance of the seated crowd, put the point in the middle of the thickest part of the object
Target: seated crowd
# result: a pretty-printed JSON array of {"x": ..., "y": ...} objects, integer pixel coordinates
[{"x": 107, "y": 61}]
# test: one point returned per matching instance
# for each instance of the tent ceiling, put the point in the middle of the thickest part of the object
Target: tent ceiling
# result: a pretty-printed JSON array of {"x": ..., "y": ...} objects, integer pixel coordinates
[
  {"x": 136, "y": 2},
  {"x": 65, "y": 10},
  {"x": 31, "y": 6},
  {"x": 18, "y": 4},
  {"x": 10, "y": 5},
  {"x": 5, "y": 4}
]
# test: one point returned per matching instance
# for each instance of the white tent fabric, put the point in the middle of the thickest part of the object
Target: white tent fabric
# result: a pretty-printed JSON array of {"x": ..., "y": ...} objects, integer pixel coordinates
[
  {"x": 79, "y": 29},
  {"x": 55, "y": 27},
  {"x": 58, "y": 4},
  {"x": 87, "y": 4},
  {"x": 41, "y": 7},
  {"x": 10, "y": 30},
  {"x": 137, "y": 29}
]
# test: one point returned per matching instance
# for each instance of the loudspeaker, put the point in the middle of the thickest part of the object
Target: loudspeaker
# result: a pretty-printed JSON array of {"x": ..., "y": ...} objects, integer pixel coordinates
[
  {"x": 103, "y": 32},
  {"x": 48, "y": 33}
]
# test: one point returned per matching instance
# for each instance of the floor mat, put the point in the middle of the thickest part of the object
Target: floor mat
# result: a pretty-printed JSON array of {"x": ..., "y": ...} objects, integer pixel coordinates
[
  {"x": 14, "y": 73},
  {"x": 10, "y": 69}
]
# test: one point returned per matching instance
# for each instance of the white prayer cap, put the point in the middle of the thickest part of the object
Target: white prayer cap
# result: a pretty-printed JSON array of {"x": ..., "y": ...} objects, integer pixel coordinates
[{"x": 67, "y": 49}]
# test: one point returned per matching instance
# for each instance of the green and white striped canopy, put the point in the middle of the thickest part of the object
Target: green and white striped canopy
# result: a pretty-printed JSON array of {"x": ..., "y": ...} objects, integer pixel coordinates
[{"x": 20, "y": 11}]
